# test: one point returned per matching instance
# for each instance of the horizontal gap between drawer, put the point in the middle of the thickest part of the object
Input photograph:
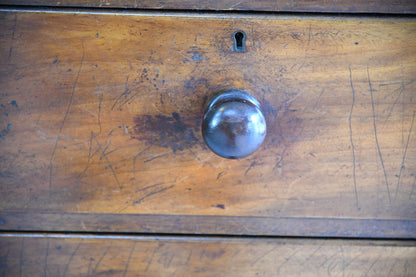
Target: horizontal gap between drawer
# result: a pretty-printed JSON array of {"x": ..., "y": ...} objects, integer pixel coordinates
[
  {"x": 199, "y": 13},
  {"x": 203, "y": 225},
  {"x": 198, "y": 237}
]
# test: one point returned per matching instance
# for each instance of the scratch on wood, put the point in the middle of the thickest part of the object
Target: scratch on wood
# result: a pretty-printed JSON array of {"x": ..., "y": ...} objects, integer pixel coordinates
[
  {"x": 392, "y": 267},
  {"x": 129, "y": 96},
  {"x": 371, "y": 266},
  {"x": 328, "y": 259},
  {"x": 3, "y": 262},
  {"x": 89, "y": 156},
  {"x": 250, "y": 166},
  {"x": 413, "y": 189},
  {"x": 144, "y": 76},
  {"x": 109, "y": 163},
  {"x": 203, "y": 163},
  {"x": 406, "y": 267},
  {"x": 89, "y": 267},
  {"x": 189, "y": 258},
  {"x": 103, "y": 152},
  {"x": 152, "y": 193},
  {"x": 112, "y": 151},
  {"x": 125, "y": 92},
  {"x": 90, "y": 148},
  {"x": 12, "y": 42},
  {"x": 352, "y": 260},
  {"x": 404, "y": 156},
  {"x": 376, "y": 137},
  {"x": 318, "y": 100},
  {"x": 167, "y": 265},
  {"x": 70, "y": 259},
  {"x": 401, "y": 89},
  {"x": 157, "y": 157},
  {"x": 330, "y": 267},
  {"x": 21, "y": 256},
  {"x": 99, "y": 113},
  {"x": 108, "y": 136},
  {"x": 136, "y": 156},
  {"x": 288, "y": 258},
  {"x": 343, "y": 260},
  {"x": 45, "y": 267},
  {"x": 311, "y": 255},
  {"x": 101, "y": 258},
  {"x": 128, "y": 260},
  {"x": 149, "y": 187},
  {"x": 235, "y": 5},
  {"x": 264, "y": 255},
  {"x": 351, "y": 141},
  {"x": 151, "y": 258},
  {"x": 128, "y": 100},
  {"x": 64, "y": 120},
  {"x": 279, "y": 161}
]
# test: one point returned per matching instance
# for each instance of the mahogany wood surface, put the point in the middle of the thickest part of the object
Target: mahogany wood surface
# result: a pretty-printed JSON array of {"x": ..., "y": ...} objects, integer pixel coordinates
[
  {"x": 319, "y": 6},
  {"x": 82, "y": 255},
  {"x": 100, "y": 116}
]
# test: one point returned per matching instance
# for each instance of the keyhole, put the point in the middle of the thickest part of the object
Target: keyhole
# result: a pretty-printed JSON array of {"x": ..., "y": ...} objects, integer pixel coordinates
[{"x": 239, "y": 38}]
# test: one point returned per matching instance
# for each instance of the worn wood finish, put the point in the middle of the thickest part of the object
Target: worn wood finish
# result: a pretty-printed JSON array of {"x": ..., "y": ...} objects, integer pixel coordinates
[
  {"x": 330, "y": 6},
  {"x": 101, "y": 114},
  {"x": 56, "y": 255}
]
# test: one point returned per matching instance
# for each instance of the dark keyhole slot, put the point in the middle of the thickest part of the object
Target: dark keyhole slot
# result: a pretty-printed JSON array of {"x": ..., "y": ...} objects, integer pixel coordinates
[
  {"x": 239, "y": 39},
  {"x": 239, "y": 42}
]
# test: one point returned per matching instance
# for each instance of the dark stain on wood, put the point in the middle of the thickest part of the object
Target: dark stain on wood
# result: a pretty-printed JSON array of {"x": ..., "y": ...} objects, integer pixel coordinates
[
  {"x": 196, "y": 83},
  {"x": 172, "y": 132},
  {"x": 181, "y": 131},
  {"x": 14, "y": 103},
  {"x": 5, "y": 131},
  {"x": 283, "y": 124}
]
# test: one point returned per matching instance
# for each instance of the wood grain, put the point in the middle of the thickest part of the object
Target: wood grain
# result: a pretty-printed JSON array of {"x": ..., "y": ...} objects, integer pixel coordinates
[
  {"x": 101, "y": 115},
  {"x": 80, "y": 255},
  {"x": 329, "y": 6}
]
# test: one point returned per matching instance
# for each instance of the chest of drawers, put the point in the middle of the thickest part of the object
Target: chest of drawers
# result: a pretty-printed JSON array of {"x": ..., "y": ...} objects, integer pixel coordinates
[{"x": 104, "y": 171}]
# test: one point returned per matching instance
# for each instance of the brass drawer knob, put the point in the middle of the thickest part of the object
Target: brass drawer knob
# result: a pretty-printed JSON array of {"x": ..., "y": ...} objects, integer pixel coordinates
[{"x": 234, "y": 125}]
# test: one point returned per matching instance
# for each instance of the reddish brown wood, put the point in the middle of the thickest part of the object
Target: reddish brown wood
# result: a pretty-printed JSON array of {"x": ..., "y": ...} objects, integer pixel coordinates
[
  {"x": 75, "y": 255},
  {"x": 100, "y": 115},
  {"x": 321, "y": 6}
]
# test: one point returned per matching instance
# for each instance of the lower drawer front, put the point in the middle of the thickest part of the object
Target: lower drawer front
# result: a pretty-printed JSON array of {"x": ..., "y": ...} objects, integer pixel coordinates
[
  {"x": 101, "y": 113},
  {"x": 82, "y": 255}
]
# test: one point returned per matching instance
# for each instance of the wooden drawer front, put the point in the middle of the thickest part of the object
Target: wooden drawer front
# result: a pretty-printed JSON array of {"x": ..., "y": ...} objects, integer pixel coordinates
[
  {"x": 83, "y": 255},
  {"x": 329, "y": 6},
  {"x": 101, "y": 116}
]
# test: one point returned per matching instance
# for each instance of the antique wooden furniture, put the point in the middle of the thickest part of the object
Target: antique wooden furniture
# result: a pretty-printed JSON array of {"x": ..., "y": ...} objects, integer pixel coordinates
[{"x": 104, "y": 170}]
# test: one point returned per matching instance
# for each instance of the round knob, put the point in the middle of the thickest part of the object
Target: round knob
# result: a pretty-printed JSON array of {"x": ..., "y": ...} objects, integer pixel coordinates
[{"x": 233, "y": 126}]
